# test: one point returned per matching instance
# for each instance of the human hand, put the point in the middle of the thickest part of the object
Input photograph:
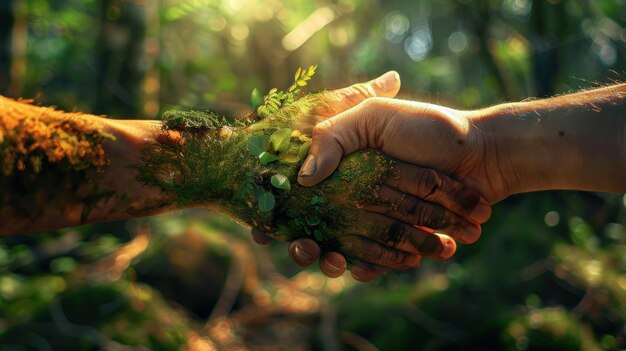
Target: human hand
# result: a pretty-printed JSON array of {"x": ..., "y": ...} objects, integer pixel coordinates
[
  {"x": 440, "y": 213},
  {"x": 430, "y": 135}
]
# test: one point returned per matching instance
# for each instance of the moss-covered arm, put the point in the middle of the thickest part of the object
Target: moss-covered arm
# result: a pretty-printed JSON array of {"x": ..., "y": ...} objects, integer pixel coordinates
[{"x": 63, "y": 169}]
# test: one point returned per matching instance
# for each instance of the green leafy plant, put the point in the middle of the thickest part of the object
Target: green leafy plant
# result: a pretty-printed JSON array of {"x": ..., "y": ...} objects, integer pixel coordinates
[
  {"x": 249, "y": 170},
  {"x": 280, "y": 181},
  {"x": 276, "y": 99}
]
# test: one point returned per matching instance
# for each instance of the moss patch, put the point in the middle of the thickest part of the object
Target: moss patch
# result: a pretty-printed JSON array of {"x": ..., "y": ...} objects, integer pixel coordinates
[
  {"x": 238, "y": 172},
  {"x": 45, "y": 158}
]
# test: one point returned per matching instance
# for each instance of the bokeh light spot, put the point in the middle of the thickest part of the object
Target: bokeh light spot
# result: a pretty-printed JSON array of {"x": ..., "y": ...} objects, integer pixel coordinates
[
  {"x": 396, "y": 25},
  {"x": 552, "y": 218},
  {"x": 419, "y": 43},
  {"x": 457, "y": 42},
  {"x": 239, "y": 31}
]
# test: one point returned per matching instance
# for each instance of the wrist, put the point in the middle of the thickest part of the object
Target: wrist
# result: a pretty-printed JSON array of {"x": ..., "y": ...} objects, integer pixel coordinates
[{"x": 134, "y": 198}]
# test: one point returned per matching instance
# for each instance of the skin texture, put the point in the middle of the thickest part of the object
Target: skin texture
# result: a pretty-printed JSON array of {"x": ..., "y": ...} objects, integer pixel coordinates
[
  {"x": 576, "y": 141},
  {"x": 128, "y": 196},
  {"x": 428, "y": 197}
]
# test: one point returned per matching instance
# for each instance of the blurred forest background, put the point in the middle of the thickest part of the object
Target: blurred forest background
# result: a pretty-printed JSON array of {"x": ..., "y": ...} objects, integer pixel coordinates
[{"x": 548, "y": 274}]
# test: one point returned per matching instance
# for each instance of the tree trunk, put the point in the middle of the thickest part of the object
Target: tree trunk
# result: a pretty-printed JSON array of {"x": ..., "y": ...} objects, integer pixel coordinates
[
  {"x": 120, "y": 51},
  {"x": 13, "y": 37},
  {"x": 6, "y": 31}
]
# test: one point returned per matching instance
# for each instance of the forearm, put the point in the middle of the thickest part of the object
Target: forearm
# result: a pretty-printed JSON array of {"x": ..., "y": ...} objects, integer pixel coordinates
[
  {"x": 61, "y": 169},
  {"x": 574, "y": 141}
]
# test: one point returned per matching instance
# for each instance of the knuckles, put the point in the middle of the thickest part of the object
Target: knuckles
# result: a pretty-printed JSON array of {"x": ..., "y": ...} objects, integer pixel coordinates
[{"x": 427, "y": 182}]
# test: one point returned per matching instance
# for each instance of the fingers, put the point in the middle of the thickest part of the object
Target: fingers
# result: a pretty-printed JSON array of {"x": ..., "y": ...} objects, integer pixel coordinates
[
  {"x": 260, "y": 237},
  {"x": 333, "y": 264},
  {"x": 387, "y": 85},
  {"x": 438, "y": 188},
  {"x": 365, "y": 272},
  {"x": 354, "y": 129},
  {"x": 417, "y": 212},
  {"x": 312, "y": 171},
  {"x": 394, "y": 235},
  {"x": 304, "y": 251},
  {"x": 367, "y": 250}
]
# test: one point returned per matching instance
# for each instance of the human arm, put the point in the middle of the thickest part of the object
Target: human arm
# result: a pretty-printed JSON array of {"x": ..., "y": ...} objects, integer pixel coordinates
[
  {"x": 145, "y": 167},
  {"x": 575, "y": 141},
  {"x": 63, "y": 169}
]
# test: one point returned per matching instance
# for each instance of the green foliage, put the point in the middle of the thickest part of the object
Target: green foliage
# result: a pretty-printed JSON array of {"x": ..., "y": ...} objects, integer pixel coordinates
[
  {"x": 266, "y": 157},
  {"x": 301, "y": 78},
  {"x": 280, "y": 181},
  {"x": 256, "y": 98},
  {"x": 476, "y": 301},
  {"x": 281, "y": 140},
  {"x": 192, "y": 120},
  {"x": 266, "y": 200},
  {"x": 246, "y": 190},
  {"x": 274, "y": 100},
  {"x": 257, "y": 144}
]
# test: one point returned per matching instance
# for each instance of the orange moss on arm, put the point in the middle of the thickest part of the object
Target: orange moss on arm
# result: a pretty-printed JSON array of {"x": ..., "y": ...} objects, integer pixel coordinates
[
  {"x": 31, "y": 135},
  {"x": 59, "y": 169}
]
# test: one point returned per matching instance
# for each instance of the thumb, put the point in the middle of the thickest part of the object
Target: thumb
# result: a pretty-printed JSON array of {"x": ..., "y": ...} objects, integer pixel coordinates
[
  {"x": 354, "y": 129},
  {"x": 387, "y": 85}
]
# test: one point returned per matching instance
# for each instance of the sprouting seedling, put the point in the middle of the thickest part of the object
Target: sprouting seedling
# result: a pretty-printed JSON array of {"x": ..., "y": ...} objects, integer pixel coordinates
[{"x": 276, "y": 99}]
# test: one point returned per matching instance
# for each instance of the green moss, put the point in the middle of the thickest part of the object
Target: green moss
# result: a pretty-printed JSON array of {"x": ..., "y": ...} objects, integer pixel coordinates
[{"x": 232, "y": 173}]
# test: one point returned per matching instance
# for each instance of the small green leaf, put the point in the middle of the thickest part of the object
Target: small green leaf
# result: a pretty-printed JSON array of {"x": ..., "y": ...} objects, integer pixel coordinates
[
  {"x": 301, "y": 83},
  {"x": 304, "y": 150},
  {"x": 318, "y": 235},
  {"x": 316, "y": 200},
  {"x": 286, "y": 157},
  {"x": 314, "y": 221},
  {"x": 256, "y": 144},
  {"x": 265, "y": 157},
  {"x": 266, "y": 201},
  {"x": 280, "y": 181},
  {"x": 311, "y": 71},
  {"x": 256, "y": 98},
  {"x": 297, "y": 74},
  {"x": 280, "y": 140}
]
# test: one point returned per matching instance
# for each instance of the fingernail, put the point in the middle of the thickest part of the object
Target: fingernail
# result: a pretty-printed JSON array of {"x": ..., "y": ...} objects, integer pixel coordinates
[
  {"x": 481, "y": 213},
  {"x": 389, "y": 80},
  {"x": 309, "y": 167},
  {"x": 302, "y": 254},
  {"x": 471, "y": 234},
  {"x": 332, "y": 268},
  {"x": 448, "y": 249}
]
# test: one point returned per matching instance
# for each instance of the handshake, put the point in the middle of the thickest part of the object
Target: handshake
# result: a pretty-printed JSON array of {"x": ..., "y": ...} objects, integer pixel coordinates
[
  {"x": 430, "y": 180},
  {"x": 452, "y": 165}
]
